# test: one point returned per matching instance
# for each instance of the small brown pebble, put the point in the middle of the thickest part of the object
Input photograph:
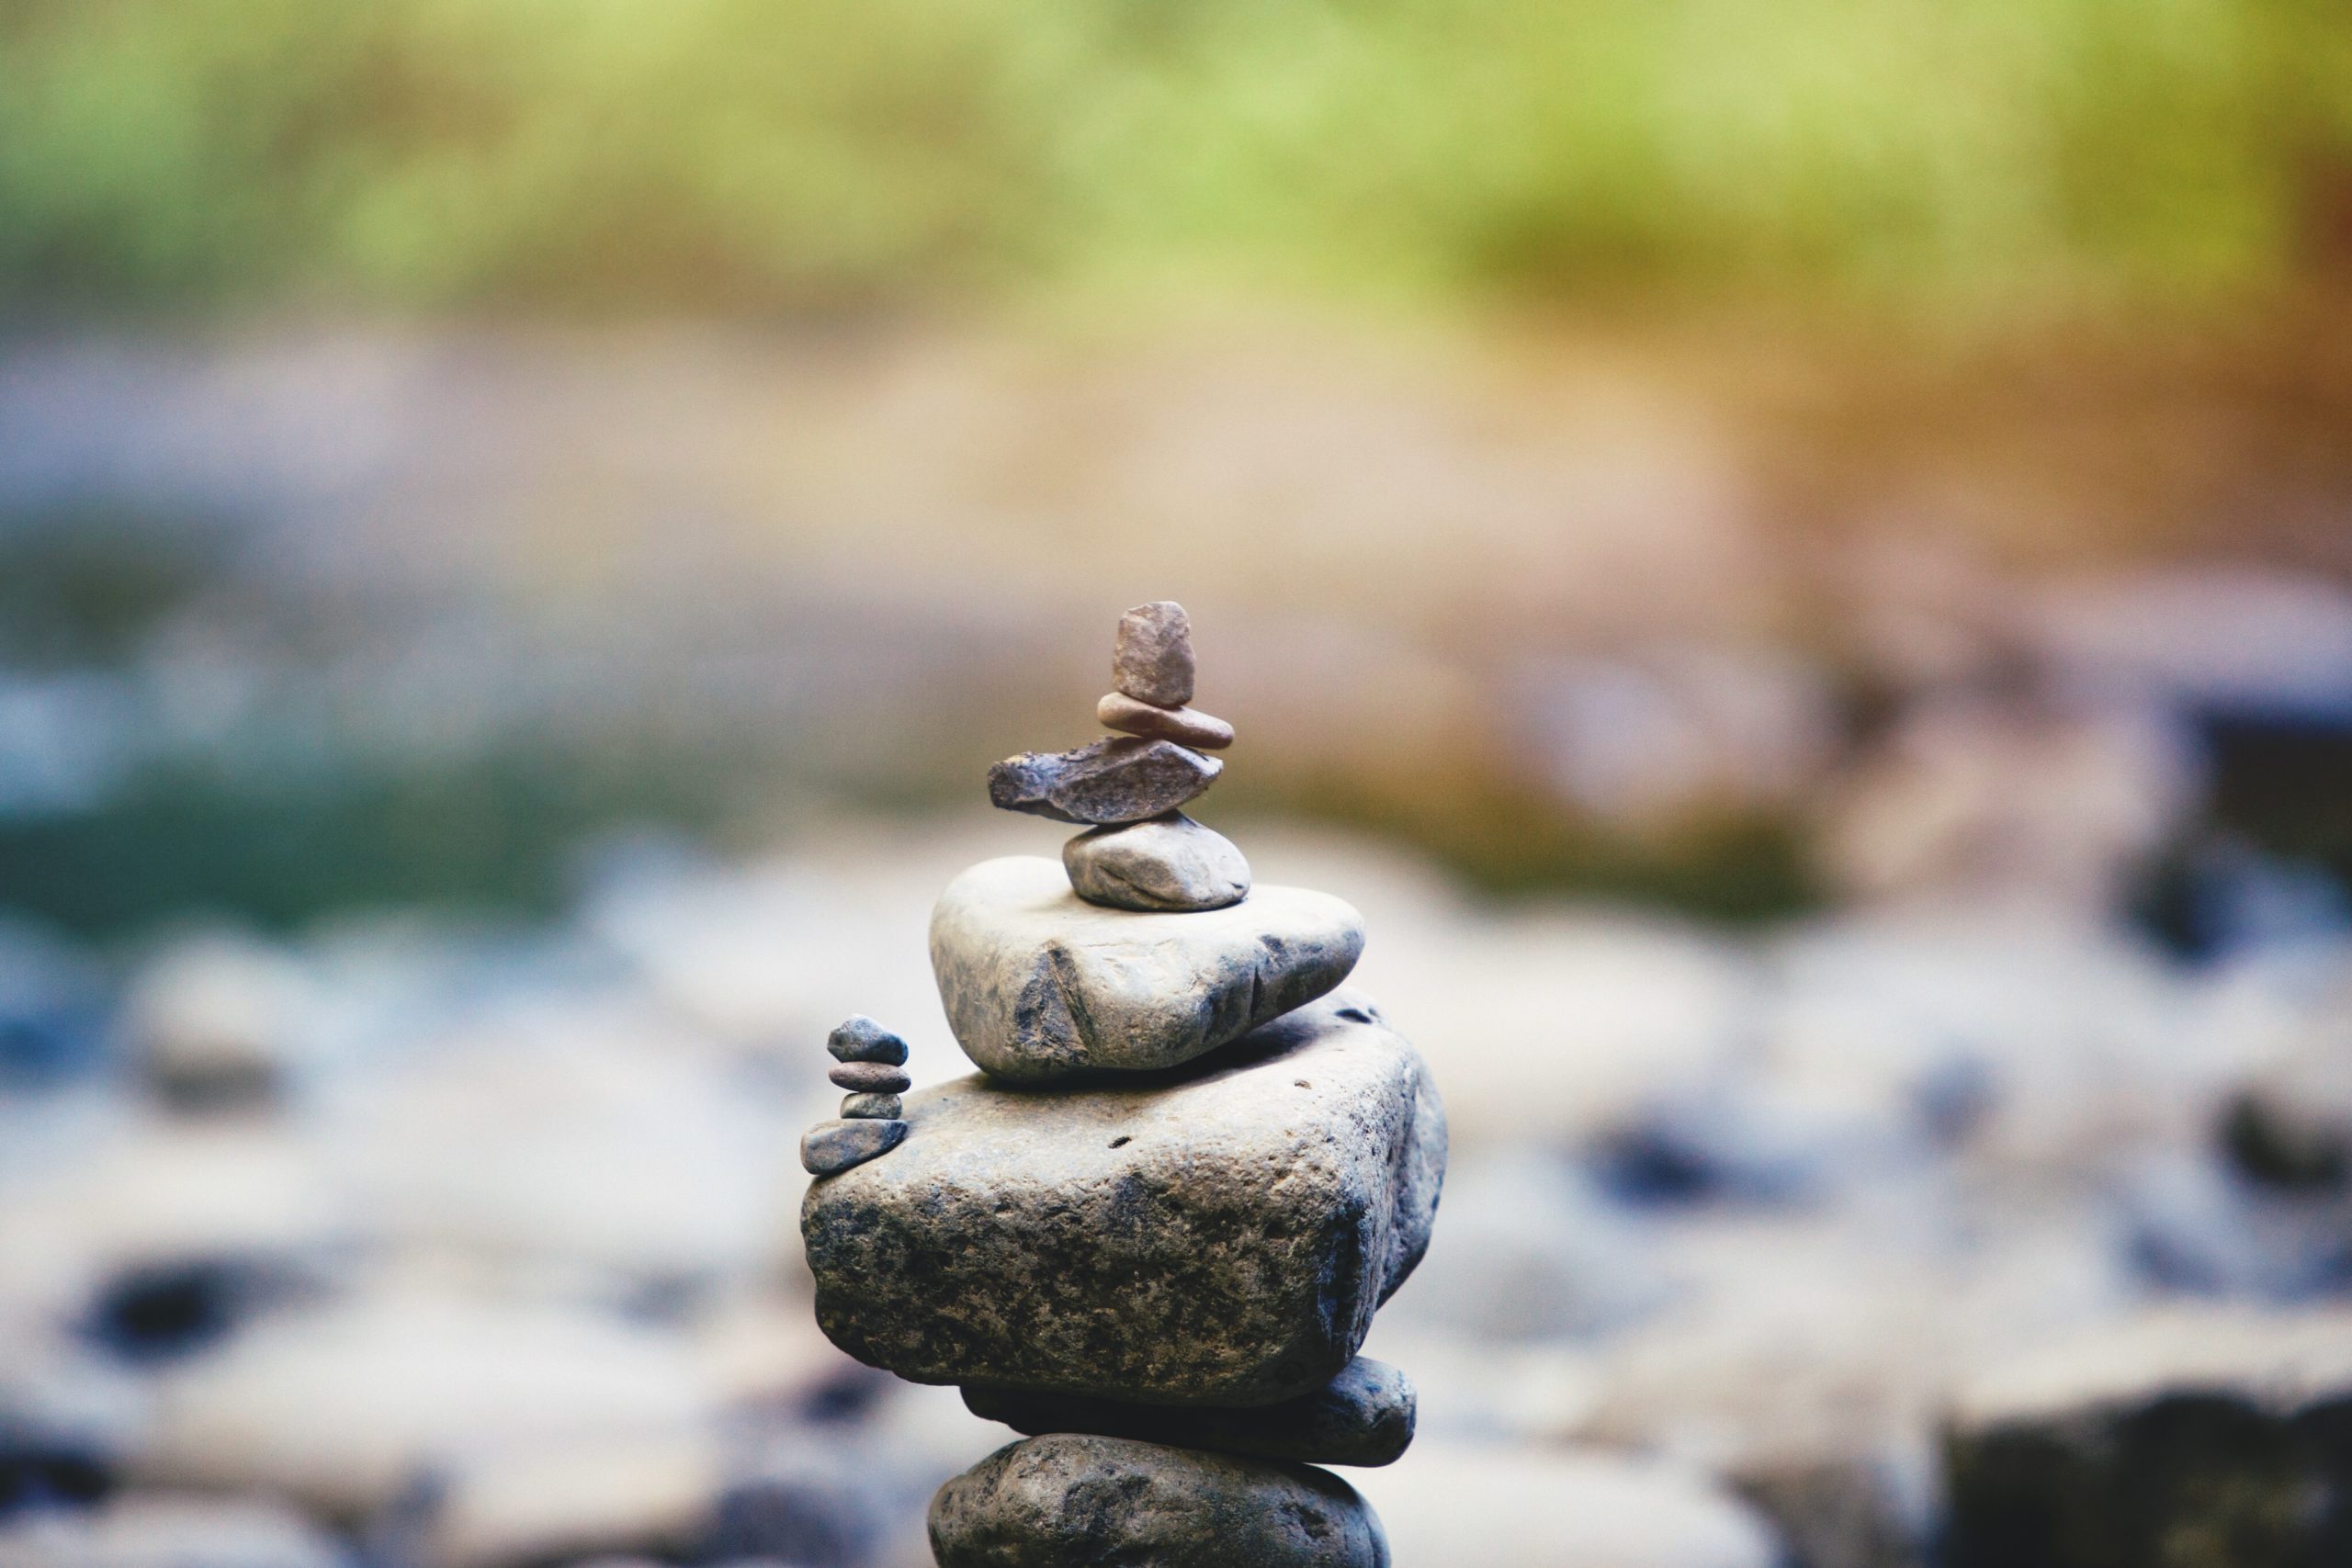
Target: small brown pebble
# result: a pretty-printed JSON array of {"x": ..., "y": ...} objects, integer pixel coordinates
[
  {"x": 872, "y": 1107},
  {"x": 1186, "y": 726},
  {"x": 871, "y": 1077}
]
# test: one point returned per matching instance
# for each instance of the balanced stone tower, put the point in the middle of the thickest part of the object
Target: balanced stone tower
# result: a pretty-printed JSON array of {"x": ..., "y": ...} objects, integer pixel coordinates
[{"x": 1151, "y": 1232}]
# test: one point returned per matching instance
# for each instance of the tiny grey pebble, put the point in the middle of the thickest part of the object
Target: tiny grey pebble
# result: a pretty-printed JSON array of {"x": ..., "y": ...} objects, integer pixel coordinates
[
  {"x": 871, "y": 1077},
  {"x": 872, "y": 1107},
  {"x": 860, "y": 1039},
  {"x": 831, "y": 1147},
  {"x": 1186, "y": 726},
  {"x": 1152, "y": 660}
]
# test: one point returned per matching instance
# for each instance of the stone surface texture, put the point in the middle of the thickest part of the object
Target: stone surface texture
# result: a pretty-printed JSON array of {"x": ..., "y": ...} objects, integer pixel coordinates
[
  {"x": 860, "y": 1039},
  {"x": 1070, "y": 1500},
  {"x": 872, "y": 1107},
  {"x": 1186, "y": 726},
  {"x": 1217, "y": 1235},
  {"x": 1040, "y": 984},
  {"x": 1119, "y": 779},
  {"x": 1364, "y": 1416},
  {"x": 1153, "y": 659},
  {"x": 1169, "y": 864},
  {"x": 831, "y": 1147},
  {"x": 2196, "y": 1436}
]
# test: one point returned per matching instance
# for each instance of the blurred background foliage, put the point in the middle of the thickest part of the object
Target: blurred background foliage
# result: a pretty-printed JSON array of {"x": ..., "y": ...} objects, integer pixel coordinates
[{"x": 1999, "y": 159}]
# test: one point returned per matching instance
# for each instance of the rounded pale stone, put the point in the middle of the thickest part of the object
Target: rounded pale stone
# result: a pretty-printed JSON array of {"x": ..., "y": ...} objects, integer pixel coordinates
[
  {"x": 1171, "y": 862},
  {"x": 1152, "y": 660},
  {"x": 1362, "y": 1416},
  {"x": 1038, "y": 983},
  {"x": 871, "y": 1077},
  {"x": 1217, "y": 1235},
  {"x": 832, "y": 1146},
  {"x": 1186, "y": 726},
  {"x": 1117, "y": 779},
  {"x": 860, "y": 1039},
  {"x": 872, "y": 1107},
  {"x": 1054, "y": 1501}
]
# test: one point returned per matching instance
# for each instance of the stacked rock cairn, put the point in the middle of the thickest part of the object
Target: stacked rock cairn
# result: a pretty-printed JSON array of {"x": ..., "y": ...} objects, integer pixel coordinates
[{"x": 1152, "y": 1231}]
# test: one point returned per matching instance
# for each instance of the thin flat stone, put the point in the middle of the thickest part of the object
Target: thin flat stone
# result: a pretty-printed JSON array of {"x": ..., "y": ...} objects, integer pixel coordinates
[
  {"x": 871, "y": 1077},
  {"x": 1220, "y": 1234},
  {"x": 1169, "y": 863},
  {"x": 1186, "y": 726},
  {"x": 860, "y": 1039},
  {"x": 1362, "y": 1416},
  {"x": 1121, "y": 779},
  {"x": 831, "y": 1147},
  {"x": 1038, "y": 983},
  {"x": 1064, "y": 1500},
  {"x": 872, "y": 1107},
  {"x": 1152, "y": 660}
]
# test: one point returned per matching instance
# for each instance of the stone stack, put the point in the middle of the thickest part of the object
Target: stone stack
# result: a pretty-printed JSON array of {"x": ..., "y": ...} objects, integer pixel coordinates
[
  {"x": 1151, "y": 1233},
  {"x": 873, "y": 1069}
]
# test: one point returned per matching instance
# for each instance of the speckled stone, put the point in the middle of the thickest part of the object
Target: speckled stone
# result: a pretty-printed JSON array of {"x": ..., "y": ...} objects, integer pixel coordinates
[
  {"x": 1219, "y": 1234},
  {"x": 1153, "y": 659},
  {"x": 1122, "y": 779},
  {"x": 1064, "y": 1500},
  {"x": 832, "y": 1148},
  {"x": 1038, "y": 983},
  {"x": 1362, "y": 1416},
  {"x": 1169, "y": 863},
  {"x": 872, "y": 1107},
  {"x": 860, "y": 1039},
  {"x": 1186, "y": 726}
]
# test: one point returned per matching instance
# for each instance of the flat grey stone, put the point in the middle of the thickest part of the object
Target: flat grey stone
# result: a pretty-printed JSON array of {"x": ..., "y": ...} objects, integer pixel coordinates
[
  {"x": 1123, "y": 779},
  {"x": 872, "y": 1107},
  {"x": 1038, "y": 983},
  {"x": 860, "y": 1039},
  {"x": 831, "y": 1147},
  {"x": 870, "y": 1077},
  {"x": 1362, "y": 1416},
  {"x": 1218, "y": 1235},
  {"x": 1169, "y": 863},
  {"x": 1186, "y": 726},
  {"x": 1068, "y": 1500},
  {"x": 1152, "y": 660}
]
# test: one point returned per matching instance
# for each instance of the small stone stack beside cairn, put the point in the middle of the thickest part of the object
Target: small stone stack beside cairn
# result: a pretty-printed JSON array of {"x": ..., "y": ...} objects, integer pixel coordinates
[
  {"x": 873, "y": 1068},
  {"x": 1153, "y": 1230}
]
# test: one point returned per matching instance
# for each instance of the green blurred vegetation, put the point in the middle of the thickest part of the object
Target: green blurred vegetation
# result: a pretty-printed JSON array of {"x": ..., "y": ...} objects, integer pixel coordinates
[{"x": 1959, "y": 158}]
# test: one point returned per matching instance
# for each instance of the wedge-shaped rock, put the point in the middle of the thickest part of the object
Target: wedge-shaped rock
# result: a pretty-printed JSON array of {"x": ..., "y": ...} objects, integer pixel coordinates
[
  {"x": 1064, "y": 1500},
  {"x": 1220, "y": 1234},
  {"x": 1039, "y": 984},
  {"x": 1362, "y": 1416},
  {"x": 1124, "y": 779}
]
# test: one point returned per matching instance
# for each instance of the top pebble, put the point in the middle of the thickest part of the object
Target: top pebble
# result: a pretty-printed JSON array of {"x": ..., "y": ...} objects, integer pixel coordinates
[
  {"x": 1153, "y": 660},
  {"x": 860, "y": 1039}
]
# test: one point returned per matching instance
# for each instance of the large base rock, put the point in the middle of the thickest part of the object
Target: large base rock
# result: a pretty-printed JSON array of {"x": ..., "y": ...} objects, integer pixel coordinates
[
  {"x": 1362, "y": 1416},
  {"x": 2185, "y": 1439},
  {"x": 1218, "y": 1235},
  {"x": 1040, "y": 984},
  {"x": 1068, "y": 1501}
]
